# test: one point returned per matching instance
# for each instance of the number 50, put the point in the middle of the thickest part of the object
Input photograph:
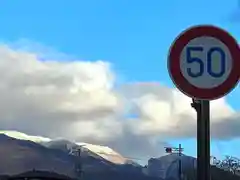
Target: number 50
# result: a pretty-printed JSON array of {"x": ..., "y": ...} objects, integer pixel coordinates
[{"x": 190, "y": 59}]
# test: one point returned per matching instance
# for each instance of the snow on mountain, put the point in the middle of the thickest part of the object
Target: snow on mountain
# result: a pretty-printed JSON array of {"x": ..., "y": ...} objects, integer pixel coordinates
[
  {"x": 168, "y": 166},
  {"x": 96, "y": 151},
  {"x": 105, "y": 152},
  {"x": 22, "y": 136},
  {"x": 102, "y": 151}
]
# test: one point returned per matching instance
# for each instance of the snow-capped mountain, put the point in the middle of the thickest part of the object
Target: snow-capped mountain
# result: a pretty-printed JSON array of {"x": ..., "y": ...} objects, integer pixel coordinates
[
  {"x": 97, "y": 151},
  {"x": 167, "y": 167},
  {"x": 26, "y": 152},
  {"x": 101, "y": 151},
  {"x": 163, "y": 167}
]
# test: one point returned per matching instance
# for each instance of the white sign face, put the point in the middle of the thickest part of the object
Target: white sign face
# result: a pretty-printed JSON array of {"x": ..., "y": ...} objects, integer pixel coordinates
[{"x": 206, "y": 62}]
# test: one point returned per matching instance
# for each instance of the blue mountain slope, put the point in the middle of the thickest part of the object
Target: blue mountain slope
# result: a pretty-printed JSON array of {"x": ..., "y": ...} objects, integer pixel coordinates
[{"x": 168, "y": 166}]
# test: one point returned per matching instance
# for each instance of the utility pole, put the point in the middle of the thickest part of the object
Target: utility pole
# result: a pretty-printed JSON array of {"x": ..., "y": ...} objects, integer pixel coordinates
[
  {"x": 78, "y": 165},
  {"x": 179, "y": 162},
  {"x": 178, "y": 150}
]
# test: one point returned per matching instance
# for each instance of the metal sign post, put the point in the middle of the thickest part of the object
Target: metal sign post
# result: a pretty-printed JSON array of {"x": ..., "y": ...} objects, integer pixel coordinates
[
  {"x": 203, "y": 63},
  {"x": 204, "y": 147},
  {"x": 202, "y": 108},
  {"x": 203, "y": 139}
]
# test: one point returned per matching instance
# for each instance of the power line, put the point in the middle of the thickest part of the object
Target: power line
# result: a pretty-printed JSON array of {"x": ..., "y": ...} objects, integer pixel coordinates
[
  {"x": 126, "y": 157},
  {"x": 73, "y": 151},
  {"x": 79, "y": 166}
]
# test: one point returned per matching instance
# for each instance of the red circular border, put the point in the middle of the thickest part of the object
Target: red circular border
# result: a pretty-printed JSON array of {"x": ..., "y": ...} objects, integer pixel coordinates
[{"x": 174, "y": 62}]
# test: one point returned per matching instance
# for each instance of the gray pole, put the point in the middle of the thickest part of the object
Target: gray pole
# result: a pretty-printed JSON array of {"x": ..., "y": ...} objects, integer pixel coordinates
[
  {"x": 204, "y": 142},
  {"x": 202, "y": 108}
]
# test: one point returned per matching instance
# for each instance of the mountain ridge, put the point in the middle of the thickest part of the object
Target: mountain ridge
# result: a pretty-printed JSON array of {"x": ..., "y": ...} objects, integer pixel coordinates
[
  {"x": 25, "y": 155},
  {"x": 102, "y": 151}
]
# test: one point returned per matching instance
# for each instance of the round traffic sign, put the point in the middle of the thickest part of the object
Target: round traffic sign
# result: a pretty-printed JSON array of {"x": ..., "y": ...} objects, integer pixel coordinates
[{"x": 204, "y": 61}]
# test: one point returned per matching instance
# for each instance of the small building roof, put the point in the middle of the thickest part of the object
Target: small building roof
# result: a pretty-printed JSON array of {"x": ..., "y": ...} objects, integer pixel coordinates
[{"x": 41, "y": 175}]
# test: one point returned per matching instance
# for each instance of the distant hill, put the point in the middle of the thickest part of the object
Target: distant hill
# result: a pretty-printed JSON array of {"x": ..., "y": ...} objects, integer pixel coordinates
[
  {"x": 93, "y": 156},
  {"x": 167, "y": 166},
  {"x": 22, "y": 155},
  {"x": 19, "y": 155},
  {"x": 98, "y": 151}
]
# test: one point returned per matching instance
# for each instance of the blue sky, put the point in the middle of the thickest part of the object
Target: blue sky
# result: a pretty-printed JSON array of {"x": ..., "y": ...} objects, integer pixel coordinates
[{"x": 133, "y": 35}]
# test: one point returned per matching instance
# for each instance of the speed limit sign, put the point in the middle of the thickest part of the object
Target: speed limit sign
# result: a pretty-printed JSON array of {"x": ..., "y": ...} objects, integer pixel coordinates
[{"x": 204, "y": 62}]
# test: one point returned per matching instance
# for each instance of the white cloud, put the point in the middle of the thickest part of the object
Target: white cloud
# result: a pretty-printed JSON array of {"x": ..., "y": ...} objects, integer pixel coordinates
[{"x": 77, "y": 100}]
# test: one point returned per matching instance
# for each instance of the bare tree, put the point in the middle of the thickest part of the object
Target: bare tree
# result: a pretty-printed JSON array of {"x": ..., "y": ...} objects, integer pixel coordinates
[{"x": 229, "y": 163}]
